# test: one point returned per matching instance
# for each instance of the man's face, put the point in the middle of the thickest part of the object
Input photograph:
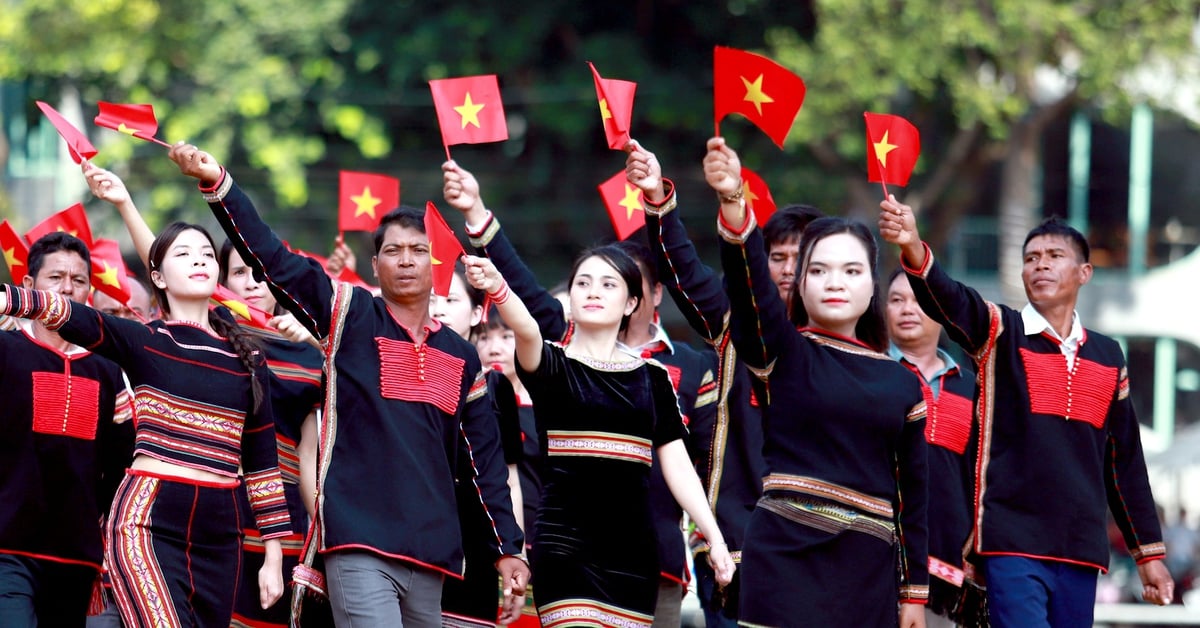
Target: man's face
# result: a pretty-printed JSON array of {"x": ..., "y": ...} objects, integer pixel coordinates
[
  {"x": 404, "y": 265},
  {"x": 1053, "y": 272},
  {"x": 781, "y": 260},
  {"x": 906, "y": 321},
  {"x": 63, "y": 272},
  {"x": 137, "y": 309}
]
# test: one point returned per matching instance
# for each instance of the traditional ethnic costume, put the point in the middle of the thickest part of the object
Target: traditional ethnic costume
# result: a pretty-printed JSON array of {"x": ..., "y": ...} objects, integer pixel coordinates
[
  {"x": 600, "y": 423},
  {"x": 61, "y": 457},
  {"x": 729, "y": 443},
  {"x": 949, "y": 420},
  {"x": 1058, "y": 437},
  {"x": 295, "y": 393},
  {"x": 174, "y": 543},
  {"x": 845, "y": 453},
  {"x": 395, "y": 415}
]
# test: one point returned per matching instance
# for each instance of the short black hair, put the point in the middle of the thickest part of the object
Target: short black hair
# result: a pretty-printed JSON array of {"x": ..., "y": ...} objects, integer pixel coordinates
[
  {"x": 788, "y": 223},
  {"x": 1055, "y": 226},
  {"x": 645, "y": 259},
  {"x": 405, "y": 217},
  {"x": 53, "y": 243}
]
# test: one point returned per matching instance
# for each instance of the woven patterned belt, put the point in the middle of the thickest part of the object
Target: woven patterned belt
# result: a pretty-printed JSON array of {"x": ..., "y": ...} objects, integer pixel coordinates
[{"x": 829, "y": 517}]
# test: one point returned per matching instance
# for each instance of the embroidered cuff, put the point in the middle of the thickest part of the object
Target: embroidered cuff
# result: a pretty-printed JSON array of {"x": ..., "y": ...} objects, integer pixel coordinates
[
  {"x": 914, "y": 594},
  {"x": 923, "y": 271},
  {"x": 265, "y": 492},
  {"x": 667, "y": 204},
  {"x": 217, "y": 193},
  {"x": 736, "y": 235},
  {"x": 1146, "y": 553},
  {"x": 482, "y": 235},
  {"x": 44, "y": 306}
]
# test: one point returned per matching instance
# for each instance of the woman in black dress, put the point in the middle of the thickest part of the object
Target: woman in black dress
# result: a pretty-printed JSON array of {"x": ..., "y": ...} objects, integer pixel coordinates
[{"x": 602, "y": 414}]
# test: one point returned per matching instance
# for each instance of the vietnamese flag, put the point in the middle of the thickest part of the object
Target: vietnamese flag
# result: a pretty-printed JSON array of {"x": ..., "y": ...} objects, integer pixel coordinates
[
  {"x": 77, "y": 142},
  {"x": 134, "y": 120},
  {"x": 625, "y": 204},
  {"x": 245, "y": 313},
  {"x": 763, "y": 91},
  {"x": 16, "y": 252},
  {"x": 444, "y": 249},
  {"x": 757, "y": 195},
  {"x": 363, "y": 199},
  {"x": 893, "y": 146},
  {"x": 73, "y": 220},
  {"x": 616, "y": 107},
  {"x": 469, "y": 110},
  {"x": 109, "y": 274}
]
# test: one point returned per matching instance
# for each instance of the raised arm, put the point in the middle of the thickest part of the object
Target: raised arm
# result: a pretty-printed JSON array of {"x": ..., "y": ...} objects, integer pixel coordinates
[
  {"x": 298, "y": 283},
  {"x": 482, "y": 273},
  {"x": 107, "y": 186},
  {"x": 969, "y": 319},
  {"x": 758, "y": 317},
  {"x": 696, "y": 288},
  {"x": 461, "y": 190},
  {"x": 114, "y": 338}
]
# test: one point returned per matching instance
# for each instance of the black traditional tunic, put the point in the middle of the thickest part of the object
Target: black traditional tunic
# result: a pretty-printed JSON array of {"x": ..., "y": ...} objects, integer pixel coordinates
[
  {"x": 846, "y": 460},
  {"x": 600, "y": 424}
]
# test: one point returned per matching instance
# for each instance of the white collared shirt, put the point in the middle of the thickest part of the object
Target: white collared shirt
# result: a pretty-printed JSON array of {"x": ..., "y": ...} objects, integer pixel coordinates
[
  {"x": 658, "y": 335},
  {"x": 26, "y": 325},
  {"x": 1035, "y": 324}
]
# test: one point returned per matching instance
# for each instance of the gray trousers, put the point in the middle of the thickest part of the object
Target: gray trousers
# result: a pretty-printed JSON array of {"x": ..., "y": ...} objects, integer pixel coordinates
[
  {"x": 668, "y": 613},
  {"x": 367, "y": 590}
]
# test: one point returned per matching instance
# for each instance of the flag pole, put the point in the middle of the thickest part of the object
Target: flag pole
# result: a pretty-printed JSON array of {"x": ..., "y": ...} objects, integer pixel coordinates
[
  {"x": 159, "y": 142},
  {"x": 447, "y": 147},
  {"x": 883, "y": 180}
]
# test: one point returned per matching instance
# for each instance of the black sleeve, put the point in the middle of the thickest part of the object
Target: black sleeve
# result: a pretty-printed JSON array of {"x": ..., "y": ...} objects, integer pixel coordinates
[
  {"x": 504, "y": 402},
  {"x": 544, "y": 308}
]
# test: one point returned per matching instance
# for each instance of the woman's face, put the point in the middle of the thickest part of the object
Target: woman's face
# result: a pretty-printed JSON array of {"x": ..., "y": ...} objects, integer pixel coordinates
[
  {"x": 836, "y": 285},
  {"x": 241, "y": 282},
  {"x": 189, "y": 267},
  {"x": 455, "y": 310},
  {"x": 497, "y": 347},
  {"x": 599, "y": 296}
]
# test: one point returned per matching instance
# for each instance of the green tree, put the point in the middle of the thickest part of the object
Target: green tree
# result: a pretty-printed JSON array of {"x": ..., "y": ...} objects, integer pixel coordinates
[{"x": 981, "y": 79}]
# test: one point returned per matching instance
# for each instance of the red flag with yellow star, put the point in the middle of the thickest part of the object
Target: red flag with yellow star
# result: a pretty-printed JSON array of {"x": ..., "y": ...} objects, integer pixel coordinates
[
  {"x": 444, "y": 249},
  {"x": 73, "y": 220},
  {"x": 469, "y": 110},
  {"x": 109, "y": 274},
  {"x": 757, "y": 195},
  {"x": 77, "y": 142},
  {"x": 363, "y": 199},
  {"x": 893, "y": 146},
  {"x": 16, "y": 252},
  {"x": 763, "y": 91},
  {"x": 625, "y": 203},
  {"x": 245, "y": 313},
  {"x": 616, "y": 107},
  {"x": 133, "y": 120}
]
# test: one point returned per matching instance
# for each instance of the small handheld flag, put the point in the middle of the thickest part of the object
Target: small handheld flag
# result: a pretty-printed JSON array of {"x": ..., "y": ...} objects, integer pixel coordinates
[
  {"x": 444, "y": 249},
  {"x": 77, "y": 143},
  {"x": 72, "y": 220},
  {"x": 616, "y": 107},
  {"x": 893, "y": 147},
  {"x": 625, "y": 203},
  {"x": 766, "y": 93},
  {"x": 363, "y": 199},
  {"x": 469, "y": 110},
  {"x": 133, "y": 120}
]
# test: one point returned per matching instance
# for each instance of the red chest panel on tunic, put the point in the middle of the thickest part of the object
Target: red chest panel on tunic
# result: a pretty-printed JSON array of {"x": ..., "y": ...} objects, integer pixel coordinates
[
  {"x": 65, "y": 405},
  {"x": 676, "y": 376},
  {"x": 948, "y": 421},
  {"x": 1082, "y": 394},
  {"x": 419, "y": 373}
]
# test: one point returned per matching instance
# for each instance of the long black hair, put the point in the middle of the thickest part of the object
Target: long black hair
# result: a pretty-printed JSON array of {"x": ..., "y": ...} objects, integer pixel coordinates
[
  {"x": 624, "y": 265},
  {"x": 871, "y": 328},
  {"x": 219, "y": 318}
]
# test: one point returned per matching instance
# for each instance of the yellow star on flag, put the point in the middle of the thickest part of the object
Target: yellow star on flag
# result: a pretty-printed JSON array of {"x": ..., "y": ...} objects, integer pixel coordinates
[
  {"x": 605, "y": 114},
  {"x": 10, "y": 258},
  {"x": 882, "y": 148},
  {"x": 126, "y": 130},
  {"x": 73, "y": 232},
  {"x": 469, "y": 112},
  {"x": 365, "y": 203},
  {"x": 754, "y": 93},
  {"x": 631, "y": 202},
  {"x": 748, "y": 194},
  {"x": 109, "y": 276},
  {"x": 237, "y": 307}
]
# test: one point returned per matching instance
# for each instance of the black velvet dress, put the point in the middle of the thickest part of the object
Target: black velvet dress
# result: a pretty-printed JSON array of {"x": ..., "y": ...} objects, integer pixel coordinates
[{"x": 599, "y": 424}]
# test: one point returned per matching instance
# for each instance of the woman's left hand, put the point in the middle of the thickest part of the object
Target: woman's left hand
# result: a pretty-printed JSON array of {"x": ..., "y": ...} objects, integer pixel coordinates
[
  {"x": 722, "y": 563},
  {"x": 912, "y": 616},
  {"x": 270, "y": 577}
]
